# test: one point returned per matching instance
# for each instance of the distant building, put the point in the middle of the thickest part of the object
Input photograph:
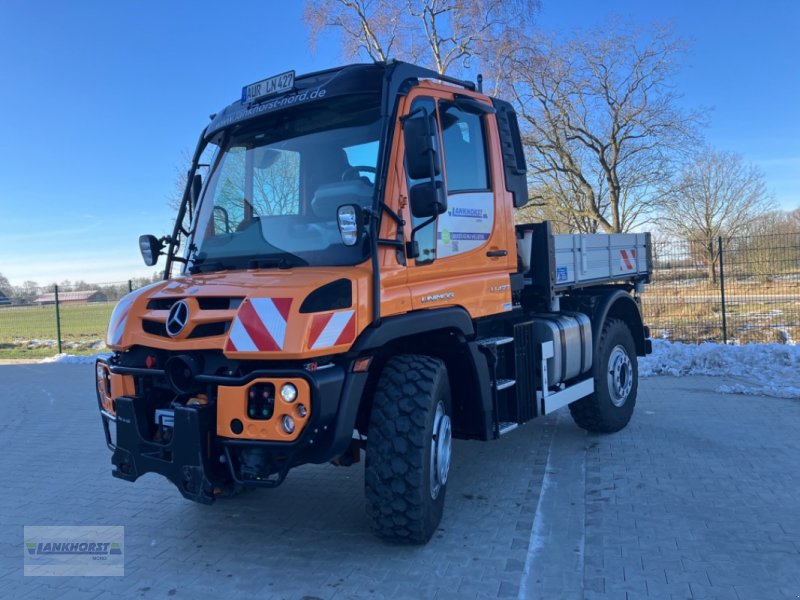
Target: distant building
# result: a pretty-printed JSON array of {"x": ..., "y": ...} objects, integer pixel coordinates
[
  {"x": 84, "y": 297},
  {"x": 4, "y": 301}
]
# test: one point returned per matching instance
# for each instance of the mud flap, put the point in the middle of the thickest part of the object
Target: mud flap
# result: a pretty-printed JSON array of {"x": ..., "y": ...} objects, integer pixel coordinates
[{"x": 185, "y": 459}]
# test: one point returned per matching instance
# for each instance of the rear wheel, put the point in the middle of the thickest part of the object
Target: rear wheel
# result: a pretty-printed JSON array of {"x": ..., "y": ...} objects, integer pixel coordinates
[
  {"x": 616, "y": 381},
  {"x": 409, "y": 446}
]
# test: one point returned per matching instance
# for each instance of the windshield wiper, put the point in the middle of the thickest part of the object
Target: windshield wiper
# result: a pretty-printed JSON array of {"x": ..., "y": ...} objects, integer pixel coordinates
[
  {"x": 209, "y": 267},
  {"x": 285, "y": 261},
  {"x": 200, "y": 266},
  {"x": 281, "y": 261}
]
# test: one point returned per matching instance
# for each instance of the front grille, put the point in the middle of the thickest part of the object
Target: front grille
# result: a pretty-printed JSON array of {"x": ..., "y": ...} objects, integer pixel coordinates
[
  {"x": 155, "y": 325},
  {"x": 205, "y": 303},
  {"x": 210, "y": 303},
  {"x": 154, "y": 328},
  {"x": 161, "y": 303},
  {"x": 210, "y": 329}
]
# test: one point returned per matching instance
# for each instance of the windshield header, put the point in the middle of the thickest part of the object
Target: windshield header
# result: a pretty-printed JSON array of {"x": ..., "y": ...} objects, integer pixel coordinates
[{"x": 325, "y": 85}]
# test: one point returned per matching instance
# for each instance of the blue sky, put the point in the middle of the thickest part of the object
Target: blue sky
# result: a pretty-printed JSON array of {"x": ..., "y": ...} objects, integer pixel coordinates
[{"x": 100, "y": 100}]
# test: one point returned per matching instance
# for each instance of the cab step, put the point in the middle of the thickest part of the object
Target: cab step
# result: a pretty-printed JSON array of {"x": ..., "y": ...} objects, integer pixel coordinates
[
  {"x": 495, "y": 341},
  {"x": 507, "y": 426},
  {"x": 502, "y": 384}
]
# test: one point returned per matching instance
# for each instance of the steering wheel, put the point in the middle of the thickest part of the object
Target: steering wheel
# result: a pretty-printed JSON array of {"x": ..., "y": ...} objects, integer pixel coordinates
[{"x": 353, "y": 172}]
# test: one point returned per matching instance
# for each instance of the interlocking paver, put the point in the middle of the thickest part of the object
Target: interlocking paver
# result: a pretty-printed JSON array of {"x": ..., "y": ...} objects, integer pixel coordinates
[{"x": 698, "y": 497}]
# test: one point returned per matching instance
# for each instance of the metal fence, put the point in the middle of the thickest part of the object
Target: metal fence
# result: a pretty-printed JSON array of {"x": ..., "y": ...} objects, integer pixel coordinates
[
  {"x": 738, "y": 290},
  {"x": 37, "y": 322},
  {"x": 733, "y": 290}
]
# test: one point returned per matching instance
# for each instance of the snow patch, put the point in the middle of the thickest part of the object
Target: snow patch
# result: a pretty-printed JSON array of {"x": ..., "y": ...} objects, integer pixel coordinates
[
  {"x": 75, "y": 359},
  {"x": 770, "y": 369}
]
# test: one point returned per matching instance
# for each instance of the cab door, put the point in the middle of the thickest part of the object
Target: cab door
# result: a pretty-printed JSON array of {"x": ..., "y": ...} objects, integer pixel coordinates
[{"x": 465, "y": 254}]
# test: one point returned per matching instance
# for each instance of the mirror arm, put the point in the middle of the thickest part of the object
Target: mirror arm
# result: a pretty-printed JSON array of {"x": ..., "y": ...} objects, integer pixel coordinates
[
  {"x": 423, "y": 224},
  {"x": 412, "y": 248},
  {"x": 395, "y": 217}
]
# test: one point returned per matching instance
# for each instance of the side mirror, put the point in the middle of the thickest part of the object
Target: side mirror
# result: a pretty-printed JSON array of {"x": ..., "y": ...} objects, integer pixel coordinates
[
  {"x": 351, "y": 223},
  {"x": 151, "y": 247},
  {"x": 422, "y": 160},
  {"x": 427, "y": 199}
]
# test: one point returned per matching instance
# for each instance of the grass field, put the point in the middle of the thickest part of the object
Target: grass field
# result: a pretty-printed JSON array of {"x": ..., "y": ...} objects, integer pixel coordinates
[
  {"x": 30, "y": 331},
  {"x": 679, "y": 312}
]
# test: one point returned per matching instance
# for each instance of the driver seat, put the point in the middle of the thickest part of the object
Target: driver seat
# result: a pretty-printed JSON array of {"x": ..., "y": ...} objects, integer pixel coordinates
[{"x": 326, "y": 165}]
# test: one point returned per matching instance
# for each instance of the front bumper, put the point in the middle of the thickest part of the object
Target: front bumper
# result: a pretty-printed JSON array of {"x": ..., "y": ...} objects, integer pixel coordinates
[
  {"x": 203, "y": 464},
  {"x": 186, "y": 459}
]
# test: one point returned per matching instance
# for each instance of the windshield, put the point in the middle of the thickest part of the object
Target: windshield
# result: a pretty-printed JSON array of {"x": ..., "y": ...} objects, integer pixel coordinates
[{"x": 275, "y": 187}]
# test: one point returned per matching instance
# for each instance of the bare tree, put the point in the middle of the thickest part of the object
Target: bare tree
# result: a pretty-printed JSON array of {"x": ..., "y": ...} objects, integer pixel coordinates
[
  {"x": 547, "y": 207},
  {"x": 175, "y": 196},
  {"x": 602, "y": 122},
  {"x": 717, "y": 194},
  {"x": 443, "y": 34},
  {"x": 776, "y": 222},
  {"x": 457, "y": 30},
  {"x": 369, "y": 27},
  {"x": 771, "y": 243},
  {"x": 5, "y": 285},
  {"x": 26, "y": 292},
  {"x": 794, "y": 218}
]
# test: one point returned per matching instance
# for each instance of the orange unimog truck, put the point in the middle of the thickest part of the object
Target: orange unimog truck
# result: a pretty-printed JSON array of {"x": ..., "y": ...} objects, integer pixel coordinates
[{"x": 346, "y": 275}]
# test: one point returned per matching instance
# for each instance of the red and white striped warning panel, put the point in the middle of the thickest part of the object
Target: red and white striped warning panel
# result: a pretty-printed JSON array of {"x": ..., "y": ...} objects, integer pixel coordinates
[
  {"x": 332, "y": 329},
  {"x": 260, "y": 325},
  {"x": 627, "y": 258}
]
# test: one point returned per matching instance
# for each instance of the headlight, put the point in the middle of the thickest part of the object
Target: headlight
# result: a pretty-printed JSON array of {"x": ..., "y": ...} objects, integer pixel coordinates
[{"x": 289, "y": 394}]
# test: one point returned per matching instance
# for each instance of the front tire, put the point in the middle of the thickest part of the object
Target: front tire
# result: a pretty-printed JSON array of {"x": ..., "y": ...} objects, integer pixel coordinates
[
  {"x": 409, "y": 446},
  {"x": 616, "y": 382}
]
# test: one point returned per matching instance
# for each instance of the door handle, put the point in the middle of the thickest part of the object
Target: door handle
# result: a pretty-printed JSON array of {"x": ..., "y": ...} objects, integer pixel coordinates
[{"x": 495, "y": 253}]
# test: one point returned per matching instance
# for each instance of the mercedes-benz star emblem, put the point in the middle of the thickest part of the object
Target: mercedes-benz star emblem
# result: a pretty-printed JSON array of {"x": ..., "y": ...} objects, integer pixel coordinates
[{"x": 177, "y": 318}]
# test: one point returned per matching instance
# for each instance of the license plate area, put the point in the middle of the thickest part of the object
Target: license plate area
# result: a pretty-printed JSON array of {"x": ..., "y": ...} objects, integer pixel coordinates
[{"x": 268, "y": 87}]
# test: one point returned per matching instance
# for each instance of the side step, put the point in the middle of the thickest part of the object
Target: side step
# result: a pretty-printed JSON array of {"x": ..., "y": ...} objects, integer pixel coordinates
[
  {"x": 495, "y": 341},
  {"x": 502, "y": 384},
  {"x": 506, "y": 427}
]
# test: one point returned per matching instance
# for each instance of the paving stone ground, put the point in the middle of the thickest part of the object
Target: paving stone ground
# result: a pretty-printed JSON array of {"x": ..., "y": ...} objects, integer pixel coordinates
[{"x": 699, "y": 497}]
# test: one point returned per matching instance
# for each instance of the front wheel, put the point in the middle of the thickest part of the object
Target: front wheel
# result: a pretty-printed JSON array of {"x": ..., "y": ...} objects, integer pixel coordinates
[
  {"x": 616, "y": 381},
  {"x": 409, "y": 445}
]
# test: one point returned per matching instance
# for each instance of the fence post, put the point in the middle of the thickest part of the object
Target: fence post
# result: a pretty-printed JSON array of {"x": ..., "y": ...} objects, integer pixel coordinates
[
  {"x": 58, "y": 319},
  {"x": 130, "y": 286},
  {"x": 722, "y": 292}
]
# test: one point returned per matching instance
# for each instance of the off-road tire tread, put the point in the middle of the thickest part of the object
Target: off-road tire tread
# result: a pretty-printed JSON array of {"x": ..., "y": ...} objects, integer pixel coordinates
[
  {"x": 588, "y": 413},
  {"x": 396, "y": 482}
]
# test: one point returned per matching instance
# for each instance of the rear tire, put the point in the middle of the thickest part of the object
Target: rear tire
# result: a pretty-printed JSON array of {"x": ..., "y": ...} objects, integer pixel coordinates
[
  {"x": 616, "y": 381},
  {"x": 408, "y": 449}
]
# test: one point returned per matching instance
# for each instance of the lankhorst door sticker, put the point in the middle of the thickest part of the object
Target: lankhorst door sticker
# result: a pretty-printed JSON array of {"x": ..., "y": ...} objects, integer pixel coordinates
[{"x": 467, "y": 223}]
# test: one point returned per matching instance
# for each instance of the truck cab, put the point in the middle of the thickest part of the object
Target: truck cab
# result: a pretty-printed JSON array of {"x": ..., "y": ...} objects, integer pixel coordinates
[{"x": 348, "y": 279}]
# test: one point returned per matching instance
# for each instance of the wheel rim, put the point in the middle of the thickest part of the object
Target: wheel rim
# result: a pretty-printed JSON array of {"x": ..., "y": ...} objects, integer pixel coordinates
[
  {"x": 441, "y": 448},
  {"x": 620, "y": 376}
]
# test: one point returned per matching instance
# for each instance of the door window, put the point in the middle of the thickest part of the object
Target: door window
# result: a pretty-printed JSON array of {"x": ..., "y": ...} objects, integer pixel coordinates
[
  {"x": 426, "y": 237},
  {"x": 469, "y": 219}
]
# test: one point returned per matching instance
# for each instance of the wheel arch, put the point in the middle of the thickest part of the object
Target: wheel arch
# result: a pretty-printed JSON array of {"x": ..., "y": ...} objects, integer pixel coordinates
[
  {"x": 618, "y": 304},
  {"x": 444, "y": 334}
]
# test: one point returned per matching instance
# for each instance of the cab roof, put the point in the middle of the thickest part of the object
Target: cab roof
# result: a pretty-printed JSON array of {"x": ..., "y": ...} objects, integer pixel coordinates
[{"x": 390, "y": 78}]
